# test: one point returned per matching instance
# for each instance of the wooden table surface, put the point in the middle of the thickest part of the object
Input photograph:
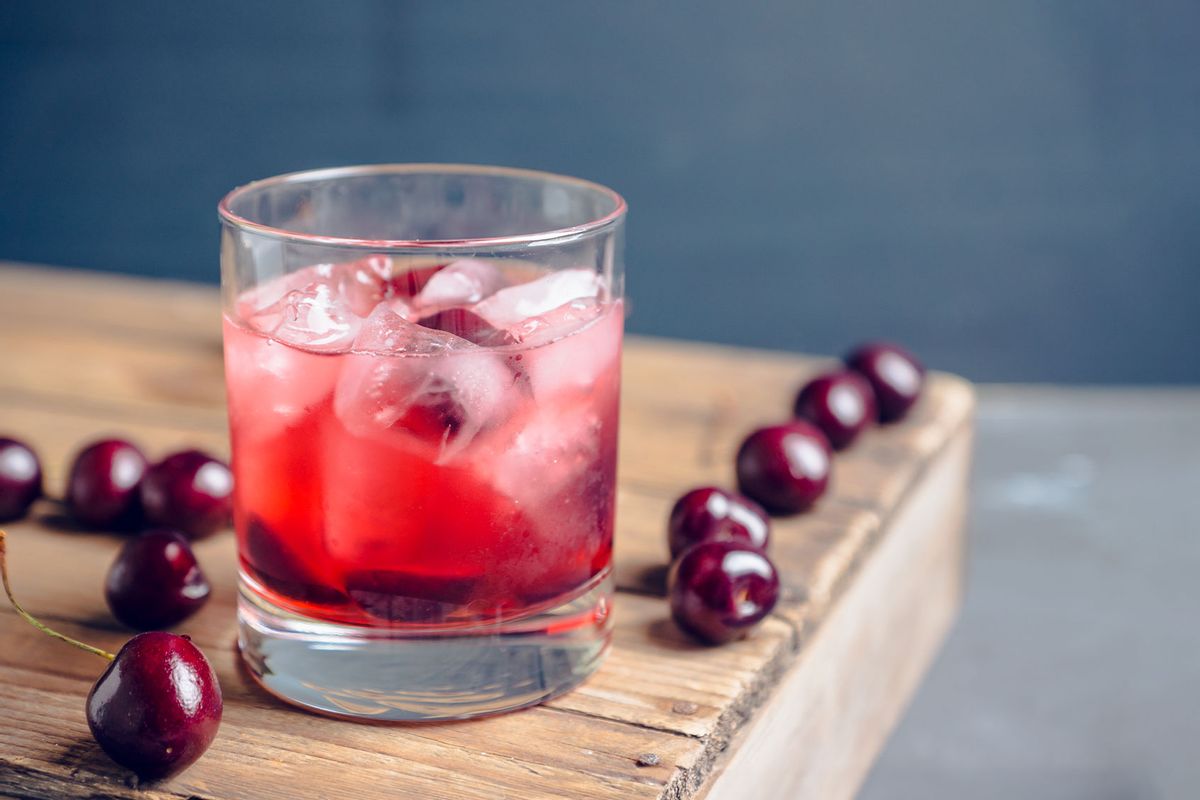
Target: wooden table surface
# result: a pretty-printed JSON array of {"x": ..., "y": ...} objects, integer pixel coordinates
[{"x": 88, "y": 354}]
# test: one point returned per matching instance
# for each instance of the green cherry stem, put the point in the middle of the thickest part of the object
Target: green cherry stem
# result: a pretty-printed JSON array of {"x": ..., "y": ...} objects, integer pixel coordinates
[{"x": 96, "y": 651}]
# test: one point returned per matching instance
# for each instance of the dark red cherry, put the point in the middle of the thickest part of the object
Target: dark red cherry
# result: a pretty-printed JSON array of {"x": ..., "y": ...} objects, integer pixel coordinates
[
  {"x": 709, "y": 514},
  {"x": 894, "y": 373},
  {"x": 275, "y": 563},
  {"x": 190, "y": 491},
  {"x": 103, "y": 488},
  {"x": 396, "y": 596},
  {"x": 157, "y": 707},
  {"x": 785, "y": 467},
  {"x": 436, "y": 414},
  {"x": 20, "y": 479},
  {"x": 155, "y": 581},
  {"x": 720, "y": 590},
  {"x": 469, "y": 326},
  {"x": 841, "y": 404}
]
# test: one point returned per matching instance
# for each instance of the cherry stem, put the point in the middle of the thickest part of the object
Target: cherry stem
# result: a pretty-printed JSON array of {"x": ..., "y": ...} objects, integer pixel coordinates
[{"x": 96, "y": 651}]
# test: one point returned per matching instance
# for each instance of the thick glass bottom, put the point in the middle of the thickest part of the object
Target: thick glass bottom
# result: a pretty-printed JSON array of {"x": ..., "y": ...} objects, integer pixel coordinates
[{"x": 398, "y": 675}]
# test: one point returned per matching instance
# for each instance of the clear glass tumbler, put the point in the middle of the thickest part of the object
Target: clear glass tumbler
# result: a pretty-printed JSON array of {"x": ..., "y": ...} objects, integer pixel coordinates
[{"x": 423, "y": 369}]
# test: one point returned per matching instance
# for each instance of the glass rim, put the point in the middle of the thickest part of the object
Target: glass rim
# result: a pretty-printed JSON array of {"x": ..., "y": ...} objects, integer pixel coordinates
[{"x": 553, "y": 236}]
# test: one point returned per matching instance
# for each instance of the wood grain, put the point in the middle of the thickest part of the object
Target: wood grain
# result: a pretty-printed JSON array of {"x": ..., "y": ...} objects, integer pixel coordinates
[
  {"x": 89, "y": 354},
  {"x": 848, "y": 687}
]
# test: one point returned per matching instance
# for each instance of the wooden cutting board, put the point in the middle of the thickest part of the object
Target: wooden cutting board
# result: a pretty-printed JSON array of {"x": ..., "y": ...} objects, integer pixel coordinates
[{"x": 873, "y": 580}]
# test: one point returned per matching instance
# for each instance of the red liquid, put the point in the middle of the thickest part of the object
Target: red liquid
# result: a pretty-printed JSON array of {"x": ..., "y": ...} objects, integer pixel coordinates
[{"x": 383, "y": 478}]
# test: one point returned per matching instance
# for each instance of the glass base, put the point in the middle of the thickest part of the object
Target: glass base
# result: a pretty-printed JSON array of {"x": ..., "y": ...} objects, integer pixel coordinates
[{"x": 392, "y": 675}]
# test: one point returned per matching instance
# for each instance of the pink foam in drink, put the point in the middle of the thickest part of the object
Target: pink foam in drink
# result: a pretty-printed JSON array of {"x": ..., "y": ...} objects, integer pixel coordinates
[{"x": 424, "y": 444}]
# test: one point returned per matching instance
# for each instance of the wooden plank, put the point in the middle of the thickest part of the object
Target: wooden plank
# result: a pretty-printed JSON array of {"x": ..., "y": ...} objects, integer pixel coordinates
[
  {"x": 93, "y": 355},
  {"x": 639, "y": 682},
  {"x": 576, "y": 756},
  {"x": 653, "y": 670},
  {"x": 70, "y": 598},
  {"x": 846, "y": 691},
  {"x": 870, "y": 477},
  {"x": 83, "y": 371},
  {"x": 117, "y": 306}
]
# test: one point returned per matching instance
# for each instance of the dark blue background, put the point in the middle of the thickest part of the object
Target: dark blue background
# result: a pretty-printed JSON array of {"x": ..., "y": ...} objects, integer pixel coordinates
[{"x": 1012, "y": 188}]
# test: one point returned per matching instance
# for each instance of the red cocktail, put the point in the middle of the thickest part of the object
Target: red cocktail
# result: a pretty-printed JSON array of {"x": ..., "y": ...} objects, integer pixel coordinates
[
  {"x": 424, "y": 445},
  {"x": 423, "y": 369}
]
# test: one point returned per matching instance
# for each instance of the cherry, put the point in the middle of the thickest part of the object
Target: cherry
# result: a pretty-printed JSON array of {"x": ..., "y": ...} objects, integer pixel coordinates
[
  {"x": 784, "y": 467},
  {"x": 20, "y": 479},
  {"x": 274, "y": 563},
  {"x": 103, "y": 488},
  {"x": 720, "y": 590},
  {"x": 403, "y": 597},
  {"x": 436, "y": 414},
  {"x": 894, "y": 373},
  {"x": 841, "y": 404},
  {"x": 189, "y": 490},
  {"x": 708, "y": 514},
  {"x": 468, "y": 325},
  {"x": 157, "y": 706},
  {"x": 363, "y": 284},
  {"x": 155, "y": 581}
]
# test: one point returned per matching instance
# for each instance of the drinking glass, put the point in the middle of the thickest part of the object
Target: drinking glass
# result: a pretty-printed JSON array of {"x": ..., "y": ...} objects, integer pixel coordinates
[{"x": 423, "y": 368}]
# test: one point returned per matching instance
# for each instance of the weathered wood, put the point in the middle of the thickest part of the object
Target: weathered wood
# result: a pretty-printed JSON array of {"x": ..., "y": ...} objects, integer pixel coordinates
[
  {"x": 89, "y": 354},
  {"x": 846, "y": 691}
]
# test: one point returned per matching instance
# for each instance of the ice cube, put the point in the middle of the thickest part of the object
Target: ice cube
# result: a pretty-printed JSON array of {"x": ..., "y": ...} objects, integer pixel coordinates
[
  {"x": 460, "y": 283},
  {"x": 515, "y": 304},
  {"x": 363, "y": 284},
  {"x": 409, "y": 277},
  {"x": 555, "y": 464},
  {"x": 270, "y": 292},
  {"x": 369, "y": 281},
  {"x": 272, "y": 386},
  {"x": 440, "y": 402},
  {"x": 557, "y": 323},
  {"x": 386, "y": 332},
  {"x": 313, "y": 317},
  {"x": 558, "y": 443},
  {"x": 400, "y": 306},
  {"x": 468, "y": 325},
  {"x": 576, "y": 349}
]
